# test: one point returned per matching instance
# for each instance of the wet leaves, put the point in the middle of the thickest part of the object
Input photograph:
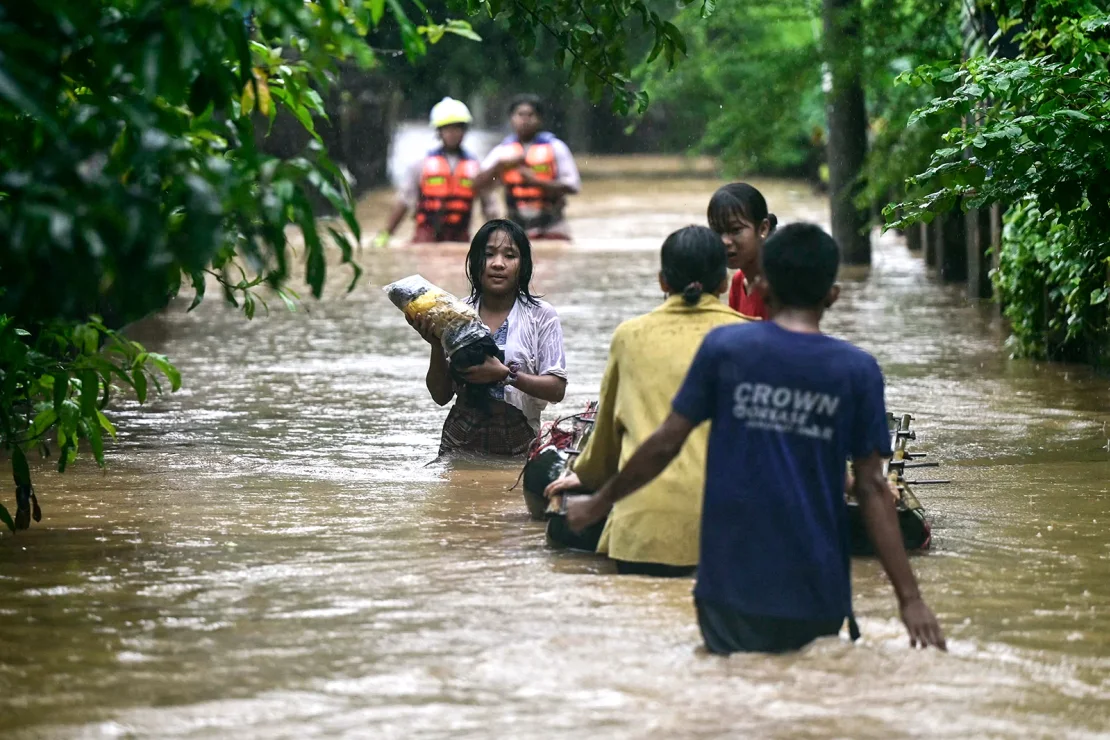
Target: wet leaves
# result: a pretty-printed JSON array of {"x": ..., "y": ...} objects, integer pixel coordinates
[{"x": 1034, "y": 136}]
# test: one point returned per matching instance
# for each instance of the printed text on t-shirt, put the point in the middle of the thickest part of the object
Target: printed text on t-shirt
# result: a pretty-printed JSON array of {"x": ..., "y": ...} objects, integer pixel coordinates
[{"x": 786, "y": 410}]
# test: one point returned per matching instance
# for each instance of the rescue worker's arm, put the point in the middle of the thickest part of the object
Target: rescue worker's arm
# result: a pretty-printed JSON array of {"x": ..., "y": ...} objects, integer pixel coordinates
[
  {"x": 568, "y": 181},
  {"x": 408, "y": 197},
  {"x": 438, "y": 380},
  {"x": 551, "y": 187},
  {"x": 490, "y": 209},
  {"x": 395, "y": 217},
  {"x": 651, "y": 459},
  {"x": 873, "y": 494},
  {"x": 496, "y": 164}
]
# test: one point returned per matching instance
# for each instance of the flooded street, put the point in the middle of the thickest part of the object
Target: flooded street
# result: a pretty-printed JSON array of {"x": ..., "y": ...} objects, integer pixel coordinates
[{"x": 270, "y": 554}]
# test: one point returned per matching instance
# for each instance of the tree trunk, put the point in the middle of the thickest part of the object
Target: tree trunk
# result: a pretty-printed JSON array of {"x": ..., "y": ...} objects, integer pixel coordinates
[
  {"x": 847, "y": 122},
  {"x": 952, "y": 254},
  {"x": 978, "y": 253}
]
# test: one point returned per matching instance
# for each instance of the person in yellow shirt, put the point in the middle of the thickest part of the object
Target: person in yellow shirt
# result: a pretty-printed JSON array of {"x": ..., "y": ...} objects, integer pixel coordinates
[{"x": 656, "y": 531}]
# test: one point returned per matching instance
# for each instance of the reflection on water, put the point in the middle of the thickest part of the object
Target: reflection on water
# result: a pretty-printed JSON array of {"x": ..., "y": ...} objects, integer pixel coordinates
[{"x": 270, "y": 552}]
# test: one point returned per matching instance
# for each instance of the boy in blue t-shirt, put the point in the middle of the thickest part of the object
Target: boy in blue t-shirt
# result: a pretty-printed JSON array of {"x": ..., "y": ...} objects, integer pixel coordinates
[{"x": 788, "y": 405}]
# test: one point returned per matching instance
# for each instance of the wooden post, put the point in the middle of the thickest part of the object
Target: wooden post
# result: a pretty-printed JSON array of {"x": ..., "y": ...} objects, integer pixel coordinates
[
  {"x": 978, "y": 253},
  {"x": 952, "y": 253}
]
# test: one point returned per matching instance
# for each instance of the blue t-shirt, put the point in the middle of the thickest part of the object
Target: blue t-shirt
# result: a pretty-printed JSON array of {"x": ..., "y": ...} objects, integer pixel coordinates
[{"x": 787, "y": 410}]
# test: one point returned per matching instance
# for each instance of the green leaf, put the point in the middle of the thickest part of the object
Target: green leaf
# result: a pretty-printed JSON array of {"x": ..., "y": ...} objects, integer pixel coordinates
[
  {"x": 167, "y": 369},
  {"x": 90, "y": 391},
  {"x": 675, "y": 36},
  {"x": 139, "y": 379},
  {"x": 105, "y": 424},
  {"x": 96, "y": 441},
  {"x": 199, "y": 280},
  {"x": 20, "y": 472},
  {"x": 7, "y": 518},
  {"x": 41, "y": 424},
  {"x": 462, "y": 28},
  {"x": 1099, "y": 295},
  {"x": 237, "y": 31},
  {"x": 1077, "y": 114},
  {"x": 377, "y": 10},
  {"x": 434, "y": 32},
  {"x": 61, "y": 391},
  {"x": 300, "y": 112}
]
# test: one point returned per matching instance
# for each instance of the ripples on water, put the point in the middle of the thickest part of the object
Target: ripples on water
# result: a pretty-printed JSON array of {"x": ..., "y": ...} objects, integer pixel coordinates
[{"x": 270, "y": 553}]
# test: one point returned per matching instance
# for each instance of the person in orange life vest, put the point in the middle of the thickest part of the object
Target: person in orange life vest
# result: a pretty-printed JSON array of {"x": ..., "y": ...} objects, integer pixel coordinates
[
  {"x": 537, "y": 170},
  {"x": 739, "y": 214},
  {"x": 441, "y": 187}
]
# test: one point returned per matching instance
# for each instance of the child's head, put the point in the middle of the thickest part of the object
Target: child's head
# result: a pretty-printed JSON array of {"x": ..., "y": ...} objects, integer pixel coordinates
[
  {"x": 799, "y": 265},
  {"x": 500, "y": 261},
  {"x": 739, "y": 214},
  {"x": 694, "y": 263}
]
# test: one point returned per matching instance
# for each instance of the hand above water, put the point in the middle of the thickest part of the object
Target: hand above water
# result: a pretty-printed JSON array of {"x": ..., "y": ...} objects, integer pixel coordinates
[
  {"x": 423, "y": 326},
  {"x": 922, "y": 625},
  {"x": 510, "y": 162},
  {"x": 582, "y": 511},
  {"x": 490, "y": 371},
  {"x": 568, "y": 482}
]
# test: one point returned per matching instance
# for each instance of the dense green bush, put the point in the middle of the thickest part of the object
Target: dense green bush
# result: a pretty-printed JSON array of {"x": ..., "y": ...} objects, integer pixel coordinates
[{"x": 1037, "y": 138}]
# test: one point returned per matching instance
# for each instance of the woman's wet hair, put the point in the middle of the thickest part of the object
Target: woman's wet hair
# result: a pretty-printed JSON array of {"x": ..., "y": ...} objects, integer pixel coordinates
[
  {"x": 527, "y": 99},
  {"x": 800, "y": 263},
  {"x": 738, "y": 199},
  {"x": 476, "y": 258},
  {"x": 694, "y": 262}
]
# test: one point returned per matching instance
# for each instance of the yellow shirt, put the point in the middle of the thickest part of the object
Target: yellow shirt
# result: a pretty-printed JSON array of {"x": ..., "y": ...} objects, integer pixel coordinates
[{"x": 648, "y": 360}]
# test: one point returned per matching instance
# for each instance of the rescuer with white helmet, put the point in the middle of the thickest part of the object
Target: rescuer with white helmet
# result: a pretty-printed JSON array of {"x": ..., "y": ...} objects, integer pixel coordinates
[{"x": 440, "y": 188}]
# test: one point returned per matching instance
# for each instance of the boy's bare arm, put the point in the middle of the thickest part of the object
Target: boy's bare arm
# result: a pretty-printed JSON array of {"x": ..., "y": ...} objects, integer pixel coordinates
[
  {"x": 651, "y": 459},
  {"x": 873, "y": 495}
]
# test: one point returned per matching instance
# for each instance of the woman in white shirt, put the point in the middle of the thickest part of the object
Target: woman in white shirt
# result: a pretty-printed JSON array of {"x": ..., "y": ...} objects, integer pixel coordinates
[{"x": 527, "y": 329}]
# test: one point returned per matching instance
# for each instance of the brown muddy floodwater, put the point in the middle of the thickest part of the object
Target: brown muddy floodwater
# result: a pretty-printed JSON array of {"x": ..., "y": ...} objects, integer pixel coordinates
[{"x": 269, "y": 554}]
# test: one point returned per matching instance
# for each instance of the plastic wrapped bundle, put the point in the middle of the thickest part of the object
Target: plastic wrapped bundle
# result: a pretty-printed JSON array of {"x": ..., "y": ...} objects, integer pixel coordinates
[
  {"x": 465, "y": 339},
  {"x": 455, "y": 323}
]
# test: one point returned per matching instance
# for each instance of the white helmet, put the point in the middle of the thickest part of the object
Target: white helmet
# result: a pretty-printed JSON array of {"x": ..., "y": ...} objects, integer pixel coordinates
[{"x": 448, "y": 111}]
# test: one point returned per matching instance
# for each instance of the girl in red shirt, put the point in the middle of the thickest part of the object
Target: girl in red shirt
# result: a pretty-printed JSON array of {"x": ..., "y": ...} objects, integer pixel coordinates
[{"x": 738, "y": 213}]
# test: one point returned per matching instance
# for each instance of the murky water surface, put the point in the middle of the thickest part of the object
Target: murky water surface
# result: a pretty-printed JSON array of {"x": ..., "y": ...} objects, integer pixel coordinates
[{"x": 269, "y": 553}]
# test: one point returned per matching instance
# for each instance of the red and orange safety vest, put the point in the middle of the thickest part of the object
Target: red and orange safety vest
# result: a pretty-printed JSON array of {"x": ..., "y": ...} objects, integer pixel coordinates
[
  {"x": 446, "y": 195},
  {"x": 527, "y": 204}
]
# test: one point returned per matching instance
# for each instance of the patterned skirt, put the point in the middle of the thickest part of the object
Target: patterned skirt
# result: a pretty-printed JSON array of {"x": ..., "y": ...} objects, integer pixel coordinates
[{"x": 502, "y": 430}]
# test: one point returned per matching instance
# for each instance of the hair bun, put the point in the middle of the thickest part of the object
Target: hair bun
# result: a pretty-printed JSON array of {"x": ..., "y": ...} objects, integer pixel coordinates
[
  {"x": 692, "y": 293},
  {"x": 773, "y": 220}
]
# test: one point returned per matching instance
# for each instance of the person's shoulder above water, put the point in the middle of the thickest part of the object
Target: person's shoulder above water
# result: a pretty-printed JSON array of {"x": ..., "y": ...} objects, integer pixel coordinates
[
  {"x": 744, "y": 330},
  {"x": 539, "y": 309}
]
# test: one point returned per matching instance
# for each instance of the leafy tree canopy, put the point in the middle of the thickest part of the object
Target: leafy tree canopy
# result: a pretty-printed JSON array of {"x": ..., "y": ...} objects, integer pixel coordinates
[{"x": 132, "y": 168}]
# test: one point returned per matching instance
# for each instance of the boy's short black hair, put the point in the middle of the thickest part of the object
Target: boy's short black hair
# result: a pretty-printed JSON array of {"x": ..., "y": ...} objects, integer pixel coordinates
[
  {"x": 800, "y": 263},
  {"x": 526, "y": 99}
]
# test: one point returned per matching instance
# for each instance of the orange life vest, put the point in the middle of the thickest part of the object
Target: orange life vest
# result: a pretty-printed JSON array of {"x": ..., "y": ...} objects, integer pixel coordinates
[
  {"x": 446, "y": 196},
  {"x": 527, "y": 204}
]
